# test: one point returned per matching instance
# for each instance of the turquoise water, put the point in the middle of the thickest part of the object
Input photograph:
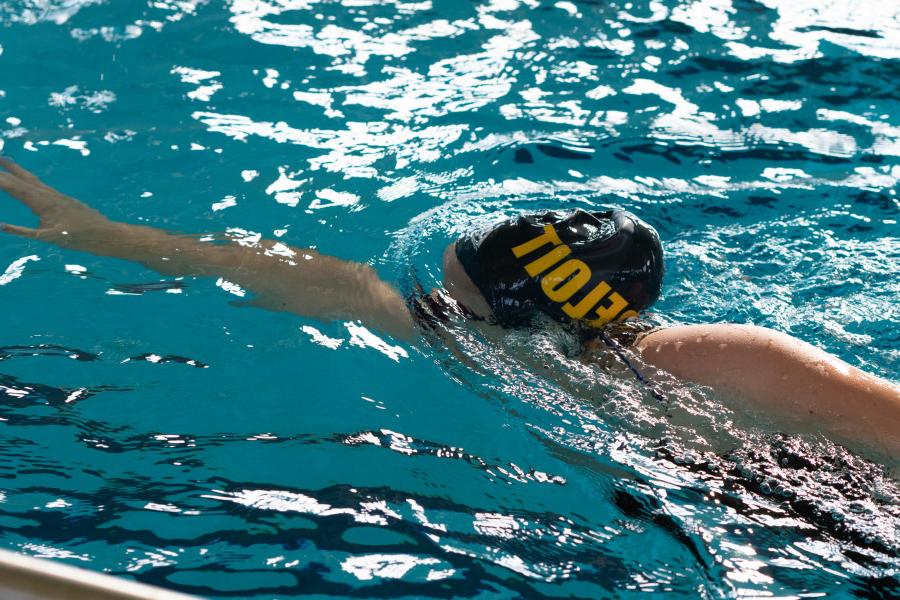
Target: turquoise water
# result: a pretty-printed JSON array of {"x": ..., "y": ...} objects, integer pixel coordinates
[{"x": 154, "y": 430}]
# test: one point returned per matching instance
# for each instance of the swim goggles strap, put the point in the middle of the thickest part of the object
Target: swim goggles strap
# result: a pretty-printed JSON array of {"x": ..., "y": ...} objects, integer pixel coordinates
[{"x": 617, "y": 348}]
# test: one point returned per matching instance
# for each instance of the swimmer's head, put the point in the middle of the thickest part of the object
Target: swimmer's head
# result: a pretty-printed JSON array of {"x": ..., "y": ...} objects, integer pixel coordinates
[{"x": 592, "y": 267}]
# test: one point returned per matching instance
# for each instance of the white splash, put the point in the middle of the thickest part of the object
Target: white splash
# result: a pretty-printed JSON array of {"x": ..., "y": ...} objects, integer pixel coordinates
[
  {"x": 226, "y": 202},
  {"x": 384, "y": 566},
  {"x": 204, "y": 91},
  {"x": 15, "y": 270},
  {"x": 321, "y": 339},
  {"x": 363, "y": 338},
  {"x": 328, "y": 198},
  {"x": 230, "y": 287}
]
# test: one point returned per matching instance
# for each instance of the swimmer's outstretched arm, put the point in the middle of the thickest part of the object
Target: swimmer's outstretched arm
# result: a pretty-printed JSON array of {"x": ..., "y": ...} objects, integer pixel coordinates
[
  {"x": 783, "y": 377},
  {"x": 282, "y": 278}
]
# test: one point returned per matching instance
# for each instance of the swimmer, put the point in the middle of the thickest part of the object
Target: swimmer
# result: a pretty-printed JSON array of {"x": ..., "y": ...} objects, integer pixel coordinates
[{"x": 591, "y": 269}]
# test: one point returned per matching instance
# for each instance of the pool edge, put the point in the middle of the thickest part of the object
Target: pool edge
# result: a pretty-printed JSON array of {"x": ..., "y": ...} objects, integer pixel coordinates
[{"x": 27, "y": 578}]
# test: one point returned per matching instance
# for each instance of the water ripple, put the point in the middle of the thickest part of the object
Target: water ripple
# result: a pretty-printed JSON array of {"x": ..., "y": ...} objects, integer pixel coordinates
[{"x": 759, "y": 137}]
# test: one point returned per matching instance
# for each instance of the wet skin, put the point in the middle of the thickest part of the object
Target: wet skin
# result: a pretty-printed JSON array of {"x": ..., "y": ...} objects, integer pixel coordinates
[
  {"x": 787, "y": 379},
  {"x": 800, "y": 386}
]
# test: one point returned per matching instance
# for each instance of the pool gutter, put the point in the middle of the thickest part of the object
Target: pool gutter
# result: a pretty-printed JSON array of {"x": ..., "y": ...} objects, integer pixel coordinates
[{"x": 26, "y": 578}]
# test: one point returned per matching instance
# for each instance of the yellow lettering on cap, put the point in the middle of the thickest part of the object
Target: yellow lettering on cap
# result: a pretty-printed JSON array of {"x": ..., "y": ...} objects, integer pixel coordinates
[
  {"x": 540, "y": 265},
  {"x": 607, "y": 313},
  {"x": 588, "y": 302},
  {"x": 568, "y": 278},
  {"x": 548, "y": 237},
  {"x": 557, "y": 284}
]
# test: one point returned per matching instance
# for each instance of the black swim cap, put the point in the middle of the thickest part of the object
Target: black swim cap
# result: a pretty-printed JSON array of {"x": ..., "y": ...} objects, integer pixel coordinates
[{"x": 596, "y": 267}]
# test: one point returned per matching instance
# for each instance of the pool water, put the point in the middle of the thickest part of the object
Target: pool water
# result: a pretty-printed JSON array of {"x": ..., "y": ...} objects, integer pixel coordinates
[{"x": 154, "y": 429}]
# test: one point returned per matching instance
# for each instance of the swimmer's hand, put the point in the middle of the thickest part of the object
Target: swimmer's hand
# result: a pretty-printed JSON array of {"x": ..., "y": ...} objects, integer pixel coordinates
[
  {"x": 282, "y": 278},
  {"x": 60, "y": 216}
]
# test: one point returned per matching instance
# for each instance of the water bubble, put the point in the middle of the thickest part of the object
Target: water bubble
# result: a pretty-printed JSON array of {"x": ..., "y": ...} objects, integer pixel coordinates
[{"x": 768, "y": 486}]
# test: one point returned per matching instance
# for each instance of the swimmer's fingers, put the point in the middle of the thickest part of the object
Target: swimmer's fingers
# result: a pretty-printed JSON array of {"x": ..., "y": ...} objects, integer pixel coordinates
[
  {"x": 11, "y": 184},
  {"x": 18, "y": 171},
  {"x": 55, "y": 235},
  {"x": 19, "y": 189},
  {"x": 52, "y": 207},
  {"x": 26, "y": 232},
  {"x": 34, "y": 197}
]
